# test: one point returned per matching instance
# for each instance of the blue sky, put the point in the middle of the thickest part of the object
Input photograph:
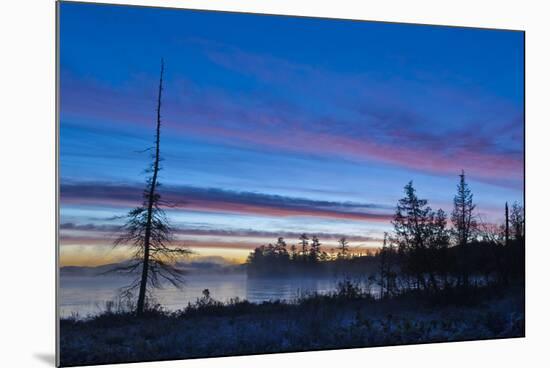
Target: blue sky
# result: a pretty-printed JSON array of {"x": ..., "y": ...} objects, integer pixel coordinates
[{"x": 278, "y": 125}]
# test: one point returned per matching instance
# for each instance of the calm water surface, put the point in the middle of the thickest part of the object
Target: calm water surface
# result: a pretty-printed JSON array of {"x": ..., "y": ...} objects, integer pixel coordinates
[{"x": 87, "y": 294}]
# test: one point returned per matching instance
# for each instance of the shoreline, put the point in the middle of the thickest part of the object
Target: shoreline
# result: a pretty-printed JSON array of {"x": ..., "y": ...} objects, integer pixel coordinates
[{"x": 344, "y": 319}]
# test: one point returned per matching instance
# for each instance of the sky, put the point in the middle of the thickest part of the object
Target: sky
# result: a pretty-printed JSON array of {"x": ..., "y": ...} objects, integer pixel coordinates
[{"x": 274, "y": 126}]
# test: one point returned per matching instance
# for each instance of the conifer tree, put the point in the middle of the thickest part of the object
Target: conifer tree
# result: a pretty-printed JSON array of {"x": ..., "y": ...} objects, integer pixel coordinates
[
  {"x": 148, "y": 232},
  {"x": 464, "y": 225}
]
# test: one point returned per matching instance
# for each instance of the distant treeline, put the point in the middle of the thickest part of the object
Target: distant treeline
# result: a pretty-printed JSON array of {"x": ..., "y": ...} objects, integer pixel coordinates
[
  {"x": 427, "y": 249},
  {"x": 308, "y": 258}
]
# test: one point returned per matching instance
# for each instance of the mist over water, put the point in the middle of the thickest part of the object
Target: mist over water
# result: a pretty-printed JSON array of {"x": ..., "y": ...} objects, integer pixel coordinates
[{"x": 87, "y": 294}]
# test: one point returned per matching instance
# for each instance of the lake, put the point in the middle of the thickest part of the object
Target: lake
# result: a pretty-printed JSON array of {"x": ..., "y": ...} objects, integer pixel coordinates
[{"x": 87, "y": 294}]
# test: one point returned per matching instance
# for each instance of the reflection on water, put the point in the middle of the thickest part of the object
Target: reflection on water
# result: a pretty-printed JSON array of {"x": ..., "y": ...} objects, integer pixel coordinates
[
  {"x": 261, "y": 289},
  {"x": 87, "y": 294}
]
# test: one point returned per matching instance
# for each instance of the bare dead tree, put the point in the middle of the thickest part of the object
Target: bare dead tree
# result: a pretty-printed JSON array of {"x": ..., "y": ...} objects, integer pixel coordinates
[
  {"x": 148, "y": 232},
  {"x": 506, "y": 224}
]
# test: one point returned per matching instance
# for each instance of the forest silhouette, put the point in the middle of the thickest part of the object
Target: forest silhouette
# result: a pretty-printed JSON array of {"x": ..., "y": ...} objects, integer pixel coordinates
[{"x": 425, "y": 251}]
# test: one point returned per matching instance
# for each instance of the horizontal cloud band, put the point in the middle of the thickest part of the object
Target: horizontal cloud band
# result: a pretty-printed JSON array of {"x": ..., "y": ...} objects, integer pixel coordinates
[
  {"x": 223, "y": 201},
  {"x": 113, "y": 229}
]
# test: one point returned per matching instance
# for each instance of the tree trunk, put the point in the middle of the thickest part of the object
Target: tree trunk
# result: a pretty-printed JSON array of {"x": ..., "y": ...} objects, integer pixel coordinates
[
  {"x": 507, "y": 226},
  {"x": 151, "y": 200}
]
